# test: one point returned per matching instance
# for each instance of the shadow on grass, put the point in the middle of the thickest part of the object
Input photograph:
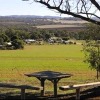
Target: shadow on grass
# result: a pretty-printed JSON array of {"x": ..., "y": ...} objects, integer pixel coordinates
[{"x": 89, "y": 94}]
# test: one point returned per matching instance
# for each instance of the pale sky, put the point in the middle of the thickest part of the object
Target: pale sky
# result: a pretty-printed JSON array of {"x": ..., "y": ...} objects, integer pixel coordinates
[{"x": 19, "y": 7}]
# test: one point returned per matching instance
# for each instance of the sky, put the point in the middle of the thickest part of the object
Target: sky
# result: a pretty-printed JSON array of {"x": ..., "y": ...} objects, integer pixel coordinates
[{"x": 19, "y": 7}]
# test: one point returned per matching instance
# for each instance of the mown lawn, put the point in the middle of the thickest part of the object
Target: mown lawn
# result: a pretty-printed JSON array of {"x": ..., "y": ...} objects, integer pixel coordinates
[{"x": 63, "y": 58}]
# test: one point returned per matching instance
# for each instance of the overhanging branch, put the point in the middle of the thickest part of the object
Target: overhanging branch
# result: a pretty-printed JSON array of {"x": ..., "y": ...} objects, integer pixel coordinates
[
  {"x": 83, "y": 9},
  {"x": 69, "y": 13},
  {"x": 96, "y": 4}
]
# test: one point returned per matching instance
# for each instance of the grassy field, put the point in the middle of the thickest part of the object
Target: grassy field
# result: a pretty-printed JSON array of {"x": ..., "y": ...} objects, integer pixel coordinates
[
  {"x": 63, "y": 24},
  {"x": 58, "y": 26},
  {"x": 70, "y": 21},
  {"x": 64, "y": 58}
]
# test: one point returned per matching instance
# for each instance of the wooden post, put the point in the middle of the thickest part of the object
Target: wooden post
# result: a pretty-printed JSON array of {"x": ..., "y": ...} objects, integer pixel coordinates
[
  {"x": 78, "y": 94},
  {"x": 42, "y": 84},
  {"x": 55, "y": 88},
  {"x": 22, "y": 93}
]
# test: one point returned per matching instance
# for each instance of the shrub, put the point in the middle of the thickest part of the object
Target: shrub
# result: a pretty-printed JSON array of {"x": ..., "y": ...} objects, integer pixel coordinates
[{"x": 18, "y": 44}]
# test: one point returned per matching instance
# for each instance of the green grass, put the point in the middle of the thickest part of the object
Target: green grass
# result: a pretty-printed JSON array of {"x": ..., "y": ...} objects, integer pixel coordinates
[{"x": 63, "y": 58}]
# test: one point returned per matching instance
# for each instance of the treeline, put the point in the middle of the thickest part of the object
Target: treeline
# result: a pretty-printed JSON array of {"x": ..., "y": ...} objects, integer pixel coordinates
[{"x": 16, "y": 34}]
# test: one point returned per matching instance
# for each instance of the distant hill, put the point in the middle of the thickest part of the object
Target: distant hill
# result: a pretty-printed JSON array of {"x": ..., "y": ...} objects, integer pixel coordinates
[
  {"x": 44, "y": 22},
  {"x": 38, "y": 20},
  {"x": 44, "y": 17},
  {"x": 36, "y": 16},
  {"x": 28, "y": 16}
]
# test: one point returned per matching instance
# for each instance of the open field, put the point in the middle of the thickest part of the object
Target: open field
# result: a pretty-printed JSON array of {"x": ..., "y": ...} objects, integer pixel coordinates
[
  {"x": 64, "y": 24},
  {"x": 64, "y": 58},
  {"x": 71, "y": 21},
  {"x": 58, "y": 26}
]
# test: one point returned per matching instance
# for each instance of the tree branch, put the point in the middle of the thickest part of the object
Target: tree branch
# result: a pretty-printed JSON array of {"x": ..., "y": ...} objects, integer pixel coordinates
[
  {"x": 83, "y": 9},
  {"x": 69, "y": 13},
  {"x": 96, "y": 4}
]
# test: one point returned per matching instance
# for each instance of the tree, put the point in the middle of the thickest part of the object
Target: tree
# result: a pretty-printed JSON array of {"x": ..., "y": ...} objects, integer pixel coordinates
[
  {"x": 4, "y": 37},
  {"x": 92, "y": 53},
  {"x": 10, "y": 32},
  {"x": 87, "y": 10},
  {"x": 1, "y": 41},
  {"x": 18, "y": 44},
  {"x": 93, "y": 31}
]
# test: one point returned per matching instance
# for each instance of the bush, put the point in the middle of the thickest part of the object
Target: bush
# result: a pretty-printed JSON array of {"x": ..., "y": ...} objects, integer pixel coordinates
[{"x": 18, "y": 44}]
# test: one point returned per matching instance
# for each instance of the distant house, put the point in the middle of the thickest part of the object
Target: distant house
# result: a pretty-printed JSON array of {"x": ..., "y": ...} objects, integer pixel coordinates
[
  {"x": 9, "y": 43},
  {"x": 69, "y": 42},
  {"x": 40, "y": 41},
  {"x": 6, "y": 44},
  {"x": 50, "y": 41},
  {"x": 55, "y": 40},
  {"x": 28, "y": 41},
  {"x": 1, "y": 46}
]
